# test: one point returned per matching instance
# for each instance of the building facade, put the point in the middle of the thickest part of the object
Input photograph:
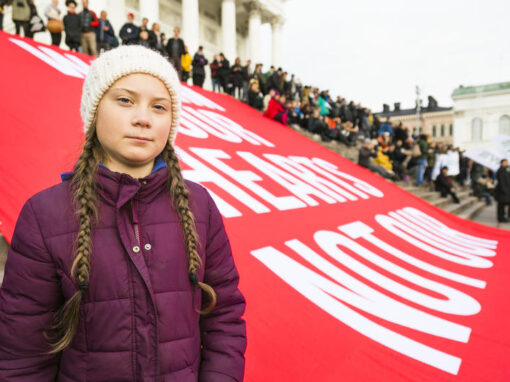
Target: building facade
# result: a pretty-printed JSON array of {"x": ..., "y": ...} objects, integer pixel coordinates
[
  {"x": 228, "y": 26},
  {"x": 435, "y": 120},
  {"x": 481, "y": 113}
]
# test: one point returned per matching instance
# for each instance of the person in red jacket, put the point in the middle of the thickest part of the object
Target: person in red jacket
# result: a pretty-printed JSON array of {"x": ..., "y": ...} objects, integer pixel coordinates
[
  {"x": 276, "y": 109},
  {"x": 123, "y": 271}
]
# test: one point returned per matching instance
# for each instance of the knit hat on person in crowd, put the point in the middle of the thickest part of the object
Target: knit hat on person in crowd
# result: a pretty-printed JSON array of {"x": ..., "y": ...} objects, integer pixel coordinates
[{"x": 122, "y": 61}]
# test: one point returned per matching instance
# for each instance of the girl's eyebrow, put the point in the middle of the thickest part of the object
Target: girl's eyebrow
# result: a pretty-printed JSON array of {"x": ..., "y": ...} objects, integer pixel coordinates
[{"x": 134, "y": 93}]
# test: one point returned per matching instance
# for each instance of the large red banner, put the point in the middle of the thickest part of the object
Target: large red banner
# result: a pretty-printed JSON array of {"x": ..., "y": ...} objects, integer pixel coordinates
[{"x": 347, "y": 277}]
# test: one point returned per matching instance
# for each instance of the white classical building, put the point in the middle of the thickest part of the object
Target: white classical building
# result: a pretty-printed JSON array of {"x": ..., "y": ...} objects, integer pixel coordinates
[
  {"x": 228, "y": 26},
  {"x": 480, "y": 114}
]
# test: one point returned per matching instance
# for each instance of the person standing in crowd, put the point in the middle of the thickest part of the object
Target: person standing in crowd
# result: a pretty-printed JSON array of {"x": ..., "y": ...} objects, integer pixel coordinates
[
  {"x": 175, "y": 50},
  {"x": 72, "y": 25},
  {"x": 159, "y": 45},
  {"x": 21, "y": 17},
  {"x": 186, "y": 64},
  {"x": 215, "y": 79},
  {"x": 89, "y": 23},
  {"x": 129, "y": 33},
  {"x": 444, "y": 185},
  {"x": 151, "y": 37},
  {"x": 106, "y": 39},
  {"x": 223, "y": 72},
  {"x": 422, "y": 159},
  {"x": 502, "y": 191},
  {"x": 55, "y": 24},
  {"x": 236, "y": 74},
  {"x": 247, "y": 72},
  {"x": 199, "y": 63},
  {"x": 143, "y": 39},
  {"x": 386, "y": 127}
]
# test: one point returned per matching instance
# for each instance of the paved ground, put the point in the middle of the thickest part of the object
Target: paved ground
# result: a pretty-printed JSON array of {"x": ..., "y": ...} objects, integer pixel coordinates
[{"x": 487, "y": 216}]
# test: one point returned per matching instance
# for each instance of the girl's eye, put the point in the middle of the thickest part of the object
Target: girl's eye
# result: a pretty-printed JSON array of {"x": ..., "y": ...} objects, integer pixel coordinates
[
  {"x": 160, "y": 107},
  {"x": 124, "y": 100}
]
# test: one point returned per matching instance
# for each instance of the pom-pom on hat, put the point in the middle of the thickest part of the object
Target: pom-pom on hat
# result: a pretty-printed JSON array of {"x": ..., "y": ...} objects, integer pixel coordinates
[{"x": 119, "y": 62}]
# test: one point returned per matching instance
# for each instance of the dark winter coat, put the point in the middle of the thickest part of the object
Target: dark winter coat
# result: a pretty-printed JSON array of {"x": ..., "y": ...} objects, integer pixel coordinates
[
  {"x": 364, "y": 156},
  {"x": 180, "y": 47},
  {"x": 89, "y": 21},
  {"x": 129, "y": 34},
  {"x": 503, "y": 185},
  {"x": 138, "y": 319},
  {"x": 443, "y": 183},
  {"x": 72, "y": 23},
  {"x": 199, "y": 61}
]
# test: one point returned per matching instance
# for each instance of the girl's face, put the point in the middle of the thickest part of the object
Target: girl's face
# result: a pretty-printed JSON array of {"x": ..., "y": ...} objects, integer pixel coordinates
[{"x": 133, "y": 123}]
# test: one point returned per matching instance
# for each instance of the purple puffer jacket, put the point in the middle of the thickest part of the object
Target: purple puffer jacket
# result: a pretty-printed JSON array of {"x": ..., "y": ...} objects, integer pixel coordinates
[{"x": 138, "y": 319}]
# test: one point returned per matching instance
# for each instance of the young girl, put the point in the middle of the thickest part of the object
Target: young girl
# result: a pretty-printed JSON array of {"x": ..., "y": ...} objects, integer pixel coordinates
[{"x": 123, "y": 272}]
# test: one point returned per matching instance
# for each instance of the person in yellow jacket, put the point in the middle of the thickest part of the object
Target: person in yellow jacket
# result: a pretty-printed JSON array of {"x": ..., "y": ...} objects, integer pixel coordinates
[
  {"x": 382, "y": 159},
  {"x": 186, "y": 64}
]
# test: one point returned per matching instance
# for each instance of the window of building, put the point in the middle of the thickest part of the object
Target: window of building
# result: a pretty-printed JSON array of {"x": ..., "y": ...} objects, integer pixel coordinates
[
  {"x": 476, "y": 130},
  {"x": 442, "y": 130},
  {"x": 434, "y": 130},
  {"x": 451, "y": 130},
  {"x": 504, "y": 125}
]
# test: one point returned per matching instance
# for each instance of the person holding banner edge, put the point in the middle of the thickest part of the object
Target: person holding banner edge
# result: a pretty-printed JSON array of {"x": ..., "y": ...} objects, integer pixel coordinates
[{"x": 124, "y": 269}]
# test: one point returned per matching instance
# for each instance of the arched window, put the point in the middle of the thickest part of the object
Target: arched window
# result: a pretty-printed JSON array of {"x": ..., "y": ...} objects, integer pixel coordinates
[
  {"x": 442, "y": 130},
  {"x": 434, "y": 131},
  {"x": 504, "y": 125},
  {"x": 476, "y": 130},
  {"x": 451, "y": 130}
]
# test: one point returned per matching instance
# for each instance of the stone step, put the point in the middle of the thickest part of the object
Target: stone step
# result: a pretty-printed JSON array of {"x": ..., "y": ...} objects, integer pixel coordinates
[
  {"x": 466, "y": 203},
  {"x": 471, "y": 212}
]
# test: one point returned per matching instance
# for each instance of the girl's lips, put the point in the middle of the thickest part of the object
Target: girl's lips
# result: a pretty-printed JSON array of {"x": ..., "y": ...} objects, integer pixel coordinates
[{"x": 140, "y": 139}]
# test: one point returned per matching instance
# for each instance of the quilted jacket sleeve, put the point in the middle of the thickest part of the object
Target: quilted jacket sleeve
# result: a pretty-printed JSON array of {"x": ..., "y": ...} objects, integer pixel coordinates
[
  {"x": 223, "y": 330},
  {"x": 29, "y": 293}
]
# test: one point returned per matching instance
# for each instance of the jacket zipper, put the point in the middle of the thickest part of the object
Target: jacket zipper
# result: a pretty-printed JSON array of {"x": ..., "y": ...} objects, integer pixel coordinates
[{"x": 134, "y": 217}]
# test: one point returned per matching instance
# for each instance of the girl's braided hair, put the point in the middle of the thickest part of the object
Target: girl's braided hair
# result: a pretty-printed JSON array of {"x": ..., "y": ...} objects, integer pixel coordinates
[{"x": 83, "y": 184}]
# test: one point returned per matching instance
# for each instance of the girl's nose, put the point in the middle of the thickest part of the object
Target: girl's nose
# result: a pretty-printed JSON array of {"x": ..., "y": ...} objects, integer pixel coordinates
[{"x": 142, "y": 117}]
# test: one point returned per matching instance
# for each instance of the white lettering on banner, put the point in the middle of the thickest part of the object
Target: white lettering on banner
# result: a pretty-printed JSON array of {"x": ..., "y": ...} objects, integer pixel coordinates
[
  {"x": 335, "y": 297},
  {"x": 361, "y": 230},
  {"x": 325, "y": 294},
  {"x": 435, "y": 225},
  {"x": 437, "y": 241},
  {"x": 190, "y": 96},
  {"x": 201, "y": 173},
  {"x": 73, "y": 68},
  {"x": 200, "y": 123},
  {"x": 405, "y": 232},
  {"x": 302, "y": 185},
  {"x": 247, "y": 179},
  {"x": 294, "y": 185}
]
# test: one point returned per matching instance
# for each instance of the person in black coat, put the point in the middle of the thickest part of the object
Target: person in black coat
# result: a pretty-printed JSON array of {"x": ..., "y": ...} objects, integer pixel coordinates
[
  {"x": 223, "y": 72},
  {"x": 502, "y": 191},
  {"x": 255, "y": 96},
  {"x": 129, "y": 32},
  {"x": 72, "y": 26},
  {"x": 198, "y": 71},
  {"x": 444, "y": 185},
  {"x": 236, "y": 75},
  {"x": 175, "y": 50}
]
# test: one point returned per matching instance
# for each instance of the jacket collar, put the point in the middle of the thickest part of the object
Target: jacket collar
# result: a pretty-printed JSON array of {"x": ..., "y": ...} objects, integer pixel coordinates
[{"x": 117, "y": 189}]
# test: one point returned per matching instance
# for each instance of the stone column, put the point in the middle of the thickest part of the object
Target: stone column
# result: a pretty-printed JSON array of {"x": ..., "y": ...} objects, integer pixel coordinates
[
  {"x": 254, "y": 23},
  {"x": 276, "y": 28},
  {"x": 149, "y": 9},
  {"x": 116, "y": 14},
  {"x": 190, "y": 31},
  {"x": 228, "y": 29}
]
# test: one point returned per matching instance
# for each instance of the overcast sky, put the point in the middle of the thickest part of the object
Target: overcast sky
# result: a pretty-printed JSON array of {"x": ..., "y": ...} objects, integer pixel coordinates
[{"x": 375, "y": 52}]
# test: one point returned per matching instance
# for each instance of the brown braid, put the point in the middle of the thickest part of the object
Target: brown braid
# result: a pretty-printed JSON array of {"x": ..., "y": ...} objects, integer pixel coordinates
[
  {"x": 180, "y": 199},
  {"x": 83, "y": 184}
]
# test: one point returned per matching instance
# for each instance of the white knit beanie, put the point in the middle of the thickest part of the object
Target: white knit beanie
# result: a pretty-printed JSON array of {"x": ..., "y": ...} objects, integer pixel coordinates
[{"x": 119, "y": 62}]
